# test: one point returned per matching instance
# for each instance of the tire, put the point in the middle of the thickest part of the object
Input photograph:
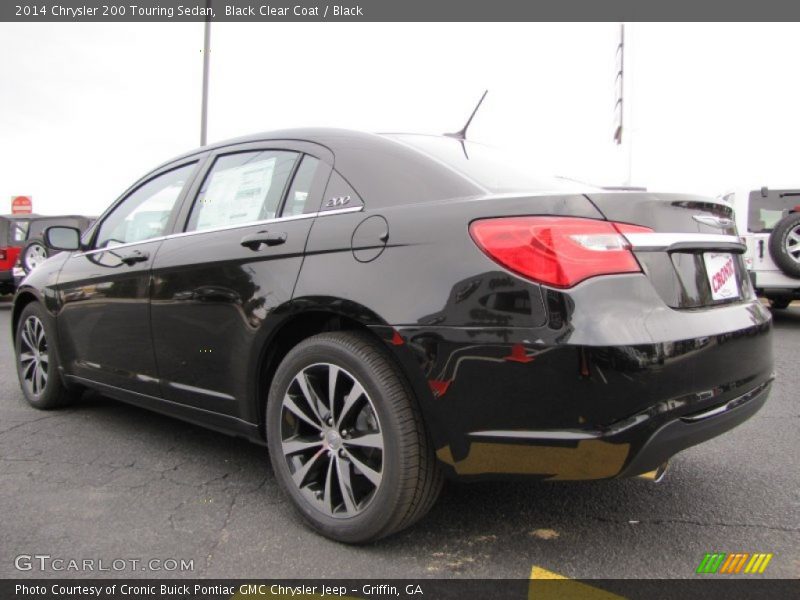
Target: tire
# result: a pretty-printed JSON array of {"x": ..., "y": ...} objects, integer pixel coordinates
[
  {"x": 779, "y": 303},
  {"x": 784, "y": 244},
  {"x": 351, "y": 492},
  {"x": 46, "y": 390},
  {"x": 33, "y": 254}
]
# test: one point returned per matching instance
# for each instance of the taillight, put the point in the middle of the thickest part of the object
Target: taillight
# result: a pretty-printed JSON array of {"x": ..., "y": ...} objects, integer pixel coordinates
[
  {"x": 3, "y": 254},
  {"x": 557, "y": 251}
]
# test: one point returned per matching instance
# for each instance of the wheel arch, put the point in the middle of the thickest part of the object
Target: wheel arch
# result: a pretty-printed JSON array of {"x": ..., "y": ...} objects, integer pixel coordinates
[
  {"x": 21, "y": 300},
  {"x": 306, "y": 318},
  {"x": 24, "y": 297}
]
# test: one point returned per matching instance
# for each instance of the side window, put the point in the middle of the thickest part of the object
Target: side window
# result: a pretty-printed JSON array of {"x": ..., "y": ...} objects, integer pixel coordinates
[
  {"x": 19, "y": 232},
  {"x": 145, "y": 212},
  {"x": 298, "y": 196},
  {"x": 242, "y": 188}
]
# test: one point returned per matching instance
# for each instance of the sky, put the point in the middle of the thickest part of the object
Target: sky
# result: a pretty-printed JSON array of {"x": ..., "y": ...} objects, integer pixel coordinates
[{"x": 87, "y": 108}]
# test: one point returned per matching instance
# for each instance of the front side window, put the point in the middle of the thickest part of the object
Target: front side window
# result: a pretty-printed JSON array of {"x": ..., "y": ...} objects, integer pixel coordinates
[
  {"x": 144, "y": 214},
  {"x": 242, "y": 188}
]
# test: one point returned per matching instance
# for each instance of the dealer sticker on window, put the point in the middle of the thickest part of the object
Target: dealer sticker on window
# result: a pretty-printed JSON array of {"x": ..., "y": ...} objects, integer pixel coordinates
[{"x": 721, "y": 271}]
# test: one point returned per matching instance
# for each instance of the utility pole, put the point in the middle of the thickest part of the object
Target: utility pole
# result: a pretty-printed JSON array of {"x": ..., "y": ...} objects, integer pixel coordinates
[
  {"x": 206, "y": 59},
  {"x": 623, "y": 137},
  {"x": 619, "y": 104}
]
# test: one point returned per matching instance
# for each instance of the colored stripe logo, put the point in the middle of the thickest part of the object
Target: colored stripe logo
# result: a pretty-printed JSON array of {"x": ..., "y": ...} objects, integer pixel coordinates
[{"x": 734, "y": 563}]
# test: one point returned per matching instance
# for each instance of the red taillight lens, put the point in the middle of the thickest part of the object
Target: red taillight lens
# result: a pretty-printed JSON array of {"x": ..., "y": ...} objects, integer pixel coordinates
[
  {"x": 3, "y": 254},
  {"x": 557, "y": 251}
]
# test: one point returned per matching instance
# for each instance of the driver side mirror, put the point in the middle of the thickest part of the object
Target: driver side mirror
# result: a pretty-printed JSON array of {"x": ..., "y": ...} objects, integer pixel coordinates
[{"x": 62, "y": 238}]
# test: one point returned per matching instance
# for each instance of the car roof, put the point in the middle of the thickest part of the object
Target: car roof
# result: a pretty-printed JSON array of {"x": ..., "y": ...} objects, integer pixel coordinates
[
  {"x": 43, "y": 217},
  {"x": 335, "y": 139},
  {"x": 379, "y": 168},
  {"x": 56, "y": 217},
  {"x": 20, "y": 217}
]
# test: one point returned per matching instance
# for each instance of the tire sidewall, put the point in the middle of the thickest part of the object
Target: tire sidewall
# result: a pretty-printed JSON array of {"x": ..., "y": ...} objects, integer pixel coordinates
[
  {"x": 777, "y": 245},
  {"x": 23, "y": 254},
  {"x": 369, "y": 523},
  {"x": 49, "y": 395}
]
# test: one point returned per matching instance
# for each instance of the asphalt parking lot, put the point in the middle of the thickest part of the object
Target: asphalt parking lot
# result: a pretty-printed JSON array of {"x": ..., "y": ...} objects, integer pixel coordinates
[{"x": 107, "y": 481}]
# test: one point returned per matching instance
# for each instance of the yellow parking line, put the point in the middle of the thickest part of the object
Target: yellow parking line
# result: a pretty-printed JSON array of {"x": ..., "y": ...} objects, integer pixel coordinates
[
  {"x": 540, "y": 573},
  {"x": 543, "y": 586}
]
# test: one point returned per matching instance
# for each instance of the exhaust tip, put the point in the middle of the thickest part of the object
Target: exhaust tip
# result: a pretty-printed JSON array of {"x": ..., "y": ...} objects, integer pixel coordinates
[{"x": 655, "y": 476}]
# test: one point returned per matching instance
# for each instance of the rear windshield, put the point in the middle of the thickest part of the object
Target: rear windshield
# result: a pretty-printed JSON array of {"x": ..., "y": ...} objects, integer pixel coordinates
[
  {"x": 764, "y": 213},
  {"x": 489, "y": 167}
]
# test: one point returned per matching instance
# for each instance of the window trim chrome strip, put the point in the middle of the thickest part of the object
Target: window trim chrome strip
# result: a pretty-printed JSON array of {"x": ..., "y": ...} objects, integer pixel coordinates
[{"x": 322, "y": 213}]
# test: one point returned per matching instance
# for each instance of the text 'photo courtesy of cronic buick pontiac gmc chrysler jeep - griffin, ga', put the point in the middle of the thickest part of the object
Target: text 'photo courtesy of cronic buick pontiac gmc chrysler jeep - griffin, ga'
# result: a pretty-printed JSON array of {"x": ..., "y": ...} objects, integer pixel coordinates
[{"x": 384, "y": 311}]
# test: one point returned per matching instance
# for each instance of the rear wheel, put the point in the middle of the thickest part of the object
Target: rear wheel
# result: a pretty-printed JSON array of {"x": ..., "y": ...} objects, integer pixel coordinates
[
  {"x": 37, "y": 361},
  {"x": 346, "y": 439}
]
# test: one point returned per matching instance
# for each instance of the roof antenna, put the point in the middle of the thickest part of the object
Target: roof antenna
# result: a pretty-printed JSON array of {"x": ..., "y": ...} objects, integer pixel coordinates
[{"x": 462, "y": 135}]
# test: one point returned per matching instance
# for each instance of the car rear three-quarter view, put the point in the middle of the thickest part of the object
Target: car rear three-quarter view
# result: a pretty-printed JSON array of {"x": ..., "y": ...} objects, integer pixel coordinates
[{"x": 384, "y": 311}]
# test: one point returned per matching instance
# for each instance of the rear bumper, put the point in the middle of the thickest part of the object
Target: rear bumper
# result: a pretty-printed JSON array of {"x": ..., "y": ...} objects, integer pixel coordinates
[
  {"x": 679, "y": 434},
  {"x": 774, "y": 281},
  {"x": 627, "y": 449},
  {"x": 505, "y": 403}
]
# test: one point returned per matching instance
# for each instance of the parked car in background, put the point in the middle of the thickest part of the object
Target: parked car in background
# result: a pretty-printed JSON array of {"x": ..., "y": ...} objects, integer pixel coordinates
[
  {"x": 13, "y": 233},
  {"x": 386, "y": 310},
  {"x": 22, "y": 246},
  {"x": 768, "y": 221},
  {"x": 35, "y": 251}
]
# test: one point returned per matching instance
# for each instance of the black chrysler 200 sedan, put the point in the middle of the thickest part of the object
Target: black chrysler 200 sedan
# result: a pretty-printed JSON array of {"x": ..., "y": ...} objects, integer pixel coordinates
[{"x": 386, "y": 310}]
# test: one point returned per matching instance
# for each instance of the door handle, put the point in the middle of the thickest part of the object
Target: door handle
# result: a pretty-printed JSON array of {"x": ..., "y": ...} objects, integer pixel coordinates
[
  {"x": 134, "y": 257},
  {"x": 255, "y": 240}
]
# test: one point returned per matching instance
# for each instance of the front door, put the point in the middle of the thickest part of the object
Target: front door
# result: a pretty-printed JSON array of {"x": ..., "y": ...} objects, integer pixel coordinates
[
  {"x": 219, "y": 284},
  {"x": 104, "y": 292}
]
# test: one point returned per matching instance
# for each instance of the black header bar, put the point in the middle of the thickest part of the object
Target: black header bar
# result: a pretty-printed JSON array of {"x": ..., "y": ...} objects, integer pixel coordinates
[{"x": 365, "y": 11}]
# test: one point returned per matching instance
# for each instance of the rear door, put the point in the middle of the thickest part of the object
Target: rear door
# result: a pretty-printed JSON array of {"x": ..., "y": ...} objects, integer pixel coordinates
[
  {"x": 13, "y": 233},
  {"x": 220, "y": 281},
  {"x": 104, "y": 292}
]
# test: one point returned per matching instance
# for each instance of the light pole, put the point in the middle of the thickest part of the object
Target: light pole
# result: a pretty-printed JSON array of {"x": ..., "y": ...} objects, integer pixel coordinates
[
  {"x": 619, "y": 81},
  {"x": 623, "y": 137},
  {"x": 206, "y": 58}
]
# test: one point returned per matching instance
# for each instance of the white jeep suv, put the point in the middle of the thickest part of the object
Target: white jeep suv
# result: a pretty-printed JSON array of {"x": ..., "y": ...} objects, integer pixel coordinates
[{"x": 769, "y": 222}]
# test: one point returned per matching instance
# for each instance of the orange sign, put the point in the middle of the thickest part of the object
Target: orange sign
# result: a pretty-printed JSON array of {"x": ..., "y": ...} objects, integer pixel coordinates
[{"x": 21, "y": 205}]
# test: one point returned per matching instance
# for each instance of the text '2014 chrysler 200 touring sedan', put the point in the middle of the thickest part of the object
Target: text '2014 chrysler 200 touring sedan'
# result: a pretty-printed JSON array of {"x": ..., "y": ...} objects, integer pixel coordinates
[{"x": 386, "y": 310}]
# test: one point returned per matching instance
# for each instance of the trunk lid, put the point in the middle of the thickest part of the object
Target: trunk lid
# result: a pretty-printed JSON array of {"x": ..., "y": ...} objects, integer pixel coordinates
[
  {"x": 667, "y": 213},
  {"x": 693, "y": 258}
]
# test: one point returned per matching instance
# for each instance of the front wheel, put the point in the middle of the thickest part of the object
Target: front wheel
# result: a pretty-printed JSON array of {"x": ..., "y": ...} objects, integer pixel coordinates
[
  {"x": 37, "y": 360},
  {"x": 346, "y": 439}
]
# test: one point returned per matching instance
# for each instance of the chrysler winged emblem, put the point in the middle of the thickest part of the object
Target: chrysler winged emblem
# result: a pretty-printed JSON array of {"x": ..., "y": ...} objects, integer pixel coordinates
[{"x": 711, "y": 221}]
